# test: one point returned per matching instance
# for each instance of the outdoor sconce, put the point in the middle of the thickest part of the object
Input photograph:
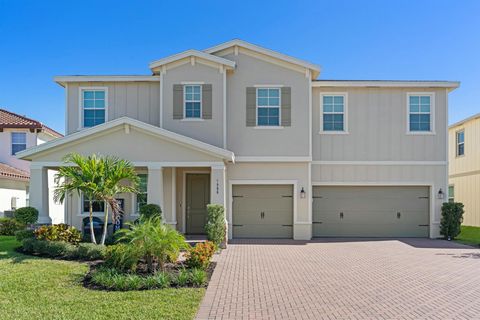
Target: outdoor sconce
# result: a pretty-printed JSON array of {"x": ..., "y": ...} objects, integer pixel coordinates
[
  {"x": 440, "y": 194},
  {"x": 302, "y": 193}
]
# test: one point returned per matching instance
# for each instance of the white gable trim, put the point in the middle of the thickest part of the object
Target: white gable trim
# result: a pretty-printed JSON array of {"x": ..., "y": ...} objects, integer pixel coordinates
[
  {"x": 385, "y": 83},
  {"x": 126, "y": 122},
  {"x": 63, "y": 80},
  {"x": 192, "y": 53},
  {"x": 240, "y": 43}
]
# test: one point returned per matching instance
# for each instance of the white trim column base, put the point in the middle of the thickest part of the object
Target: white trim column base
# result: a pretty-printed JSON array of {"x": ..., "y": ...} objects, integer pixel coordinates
[
  {"x": 155, "y": 187},
  {"x": 39, "y": 193}
]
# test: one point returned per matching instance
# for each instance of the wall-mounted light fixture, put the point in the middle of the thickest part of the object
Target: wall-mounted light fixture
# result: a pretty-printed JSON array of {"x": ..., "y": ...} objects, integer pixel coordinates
[
  {"x": 302, "y": 193},
  {"x": 440, "y": 194}
]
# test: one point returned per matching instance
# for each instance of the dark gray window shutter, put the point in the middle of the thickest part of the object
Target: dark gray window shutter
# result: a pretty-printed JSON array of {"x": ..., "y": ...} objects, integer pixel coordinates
[
  {"x": 251, "y": 107},
  {"x": 177, "y": 101},
  {"x": 207, "y": 101},
  {"x": 286, "y": 107}
]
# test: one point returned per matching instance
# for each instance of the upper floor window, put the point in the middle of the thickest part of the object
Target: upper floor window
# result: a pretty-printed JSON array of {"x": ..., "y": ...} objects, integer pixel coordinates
[
  {"x": 94, "y": 103},
  {"x": 193, "y": 101},
  {"x": 460, "y": 143},
  {"x": 19, "y": 142},
  {"x": 268, "y": 106},
  {"x": 142, "y": 194},
  {"x": 420, "y": 113},
  {"x": 333, "y": 113}
]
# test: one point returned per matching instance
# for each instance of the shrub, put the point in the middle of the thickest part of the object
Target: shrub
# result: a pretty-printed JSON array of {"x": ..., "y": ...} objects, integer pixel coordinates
[
  {"x": 90, "y": 252},
  {"x": 215, "y": 226},
  {"x": 54, "y": 249},
  {"x": 20, "y": 235},
  {"x": 26, "y": 215},
  {"x": 59, "y": 232},
  {"x": 154, "y": 240},
  {"x": 452, "y": 218},
  {"x": 182, "y": 278},
  {"x": 200, "y": 255},
  {"x": 28, "y": 245},
  {"x": 112, "y": 279},
  {"x": 9, "y": 226},
  {"x": 122, "y": 257},
  {"x": 162, "y": 279},
  {"x": 198, "y": 277},
  {"x": 150, "y": 210}
]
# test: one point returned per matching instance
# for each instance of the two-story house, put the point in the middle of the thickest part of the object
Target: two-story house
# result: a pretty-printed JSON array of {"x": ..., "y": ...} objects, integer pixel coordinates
[
  {"x": 288, "y": 155},
  {"x": 464, "y": 167},
  {"x": 18, "y": 133}
]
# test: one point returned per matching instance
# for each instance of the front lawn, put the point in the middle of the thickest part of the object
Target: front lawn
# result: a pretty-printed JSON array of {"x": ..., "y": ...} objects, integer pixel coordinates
[
  {"x": 34, "y": 288},
  {"x": 469, "y": 235}
]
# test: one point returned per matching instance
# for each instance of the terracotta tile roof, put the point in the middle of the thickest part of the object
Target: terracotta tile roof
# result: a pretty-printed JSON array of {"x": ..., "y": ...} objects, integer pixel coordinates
[
  {"x": 12, "y": 120},
  {"x": 9, "y": 172}
]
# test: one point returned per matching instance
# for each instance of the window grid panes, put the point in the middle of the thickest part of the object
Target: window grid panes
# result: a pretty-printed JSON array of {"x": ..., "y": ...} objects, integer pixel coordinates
[
  {"x": 268, "y": 107},
  {"x": 93, "y": 107},
  {"x": 419, "y": 113},
  {"x": 460, "y": 143},
  {"x": 333, "y": 113},
  {"x": 451, "y": 194},
  {"x": 97, "y": 205},
  {"x": 193, "y": 101},
  {"x": 142, "y": 195},
  {"x": 19, "y": 142}
]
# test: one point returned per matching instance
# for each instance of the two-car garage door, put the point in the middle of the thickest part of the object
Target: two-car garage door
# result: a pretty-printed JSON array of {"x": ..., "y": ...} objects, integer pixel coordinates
[{"x": 399, "y": 211}]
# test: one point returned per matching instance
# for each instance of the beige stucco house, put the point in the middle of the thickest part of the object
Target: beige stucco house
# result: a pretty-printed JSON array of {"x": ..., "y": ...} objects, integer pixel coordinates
[
  {"x": 464, "y": 167},
  {"x": 18, "y": 133},
  {"x": 287, "y": 154}
]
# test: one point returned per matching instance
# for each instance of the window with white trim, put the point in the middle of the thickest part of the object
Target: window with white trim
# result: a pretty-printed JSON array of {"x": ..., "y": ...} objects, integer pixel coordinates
[
  {"x": 98, "y": 206},
  {"x": 192, "y": 95},
  {"x": 333, "y": 113},
  {"x": 451, "y": 194},
  {"x": 420, "y": 113},
  {"x": 460, "y": 138},
  {"x": 268, "y": 106},
  {"x": 142, "y": 194},
  {"x": 19, "y": 142},
  {"x": 93, "y": 106}
]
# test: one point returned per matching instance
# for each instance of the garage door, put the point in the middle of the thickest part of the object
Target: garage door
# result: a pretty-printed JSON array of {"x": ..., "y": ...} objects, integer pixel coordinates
[
  {"x": 262, "y": 211},
  {"x": 371, "y": 211}
]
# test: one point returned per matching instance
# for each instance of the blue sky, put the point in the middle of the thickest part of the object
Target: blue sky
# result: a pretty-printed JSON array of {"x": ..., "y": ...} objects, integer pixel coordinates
[{"x": 424, "y": 40}]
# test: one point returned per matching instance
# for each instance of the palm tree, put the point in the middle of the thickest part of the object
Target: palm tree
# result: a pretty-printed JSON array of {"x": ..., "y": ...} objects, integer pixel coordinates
[
  {"x": 118, "y": 176},
  {"x": 82, "y": 178}
]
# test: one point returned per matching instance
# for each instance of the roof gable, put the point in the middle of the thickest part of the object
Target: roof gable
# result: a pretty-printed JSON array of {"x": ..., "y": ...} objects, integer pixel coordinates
[
  {"x": 11, "y": 120},
  {"x": 314, "y": 69},
  {"x": 189, "y": 54}
]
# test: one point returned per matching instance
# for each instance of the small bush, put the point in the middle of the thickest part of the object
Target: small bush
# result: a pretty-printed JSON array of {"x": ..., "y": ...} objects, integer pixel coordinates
[
  {"x": 112, "y": 279},
  {"x": 90, "y": 252},
  {"x": 200, "y": 255},
  {"x": 9, "y": 226},
  {"x": 26, "y": 215},
  {"x": 198, "y": 277},
  {"x": 182, "y": 278},
  {"x": 215, "y": 226},
  {"x": 28, "y": 245},
  {"x": 122, "y": 257},
  {"x": 162, "y": 279},
  {"x": 452, "y": 218},
  {"x": 59, "y": 232},
  {"x": 21, "y": 235},
  {"x": 150, "y": 210}
]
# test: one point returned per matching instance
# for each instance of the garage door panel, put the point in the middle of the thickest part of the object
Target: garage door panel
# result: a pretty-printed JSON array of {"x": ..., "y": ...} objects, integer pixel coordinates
[
  {"x": 262, "y": 211},
  {"x": 371, "y": 211}
]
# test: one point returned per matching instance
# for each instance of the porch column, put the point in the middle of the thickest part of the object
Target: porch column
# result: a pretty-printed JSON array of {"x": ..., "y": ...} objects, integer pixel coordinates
[
  {"x": 39, "y": 193},
  {"x": 218, "y": 193},
  {"x": 155, "y": 186}
]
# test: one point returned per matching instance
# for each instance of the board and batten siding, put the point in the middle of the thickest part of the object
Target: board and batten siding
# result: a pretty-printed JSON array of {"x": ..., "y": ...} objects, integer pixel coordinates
[
  {"x": 137, "y": 100},
  {"x": 464, "y": 171},
  {"x": 377, "y": 127}
]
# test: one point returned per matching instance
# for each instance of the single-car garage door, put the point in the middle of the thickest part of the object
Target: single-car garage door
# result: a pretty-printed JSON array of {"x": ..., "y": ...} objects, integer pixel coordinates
[
  {"x": 262, "y": 211},
  {"x": 399, "y": 211}
]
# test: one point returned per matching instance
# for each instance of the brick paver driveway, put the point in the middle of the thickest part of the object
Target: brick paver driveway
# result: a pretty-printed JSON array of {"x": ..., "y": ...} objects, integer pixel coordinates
[{"x": 345, "y": 279}]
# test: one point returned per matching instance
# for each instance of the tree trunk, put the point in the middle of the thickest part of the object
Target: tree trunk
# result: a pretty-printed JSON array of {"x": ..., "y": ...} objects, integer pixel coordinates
[
  {"x": 149, "y": 259},
  {"x": 92, "y": 233},
  {"x": 105, "y": 224}
]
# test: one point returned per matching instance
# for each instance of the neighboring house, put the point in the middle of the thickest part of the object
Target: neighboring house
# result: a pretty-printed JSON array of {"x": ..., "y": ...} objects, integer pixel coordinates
[
  {"x": 464, "y": 167},
  {"x": 255, "y": 131},
  {"x": 18, "y": 133}
]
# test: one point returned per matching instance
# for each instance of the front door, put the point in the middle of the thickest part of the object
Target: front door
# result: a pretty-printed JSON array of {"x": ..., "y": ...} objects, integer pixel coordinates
[{"x": 197, "y": 198}]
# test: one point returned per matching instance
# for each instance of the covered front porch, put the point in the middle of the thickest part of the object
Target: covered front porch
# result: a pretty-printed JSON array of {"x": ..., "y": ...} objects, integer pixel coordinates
[{"x": 180, "y": 174}]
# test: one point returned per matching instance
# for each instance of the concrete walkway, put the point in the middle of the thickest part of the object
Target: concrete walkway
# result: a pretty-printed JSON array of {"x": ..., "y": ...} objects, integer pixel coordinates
[{"x": 344, "y": 279}]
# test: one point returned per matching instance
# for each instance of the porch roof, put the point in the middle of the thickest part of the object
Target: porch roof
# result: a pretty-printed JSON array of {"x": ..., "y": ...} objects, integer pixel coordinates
[{"x": 125, "y": 125}]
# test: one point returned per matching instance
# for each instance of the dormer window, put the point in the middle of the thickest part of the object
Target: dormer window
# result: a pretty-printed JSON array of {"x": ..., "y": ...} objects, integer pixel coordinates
[
  {"x": 94, "y": 104},
  {"x": 193, "y": 101}
]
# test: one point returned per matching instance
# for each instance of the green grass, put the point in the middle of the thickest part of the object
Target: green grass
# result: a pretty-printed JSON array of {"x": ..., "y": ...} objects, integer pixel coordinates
[
  {"x": 469, "y": 235},
  {"x": 34, "y": 288}
]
